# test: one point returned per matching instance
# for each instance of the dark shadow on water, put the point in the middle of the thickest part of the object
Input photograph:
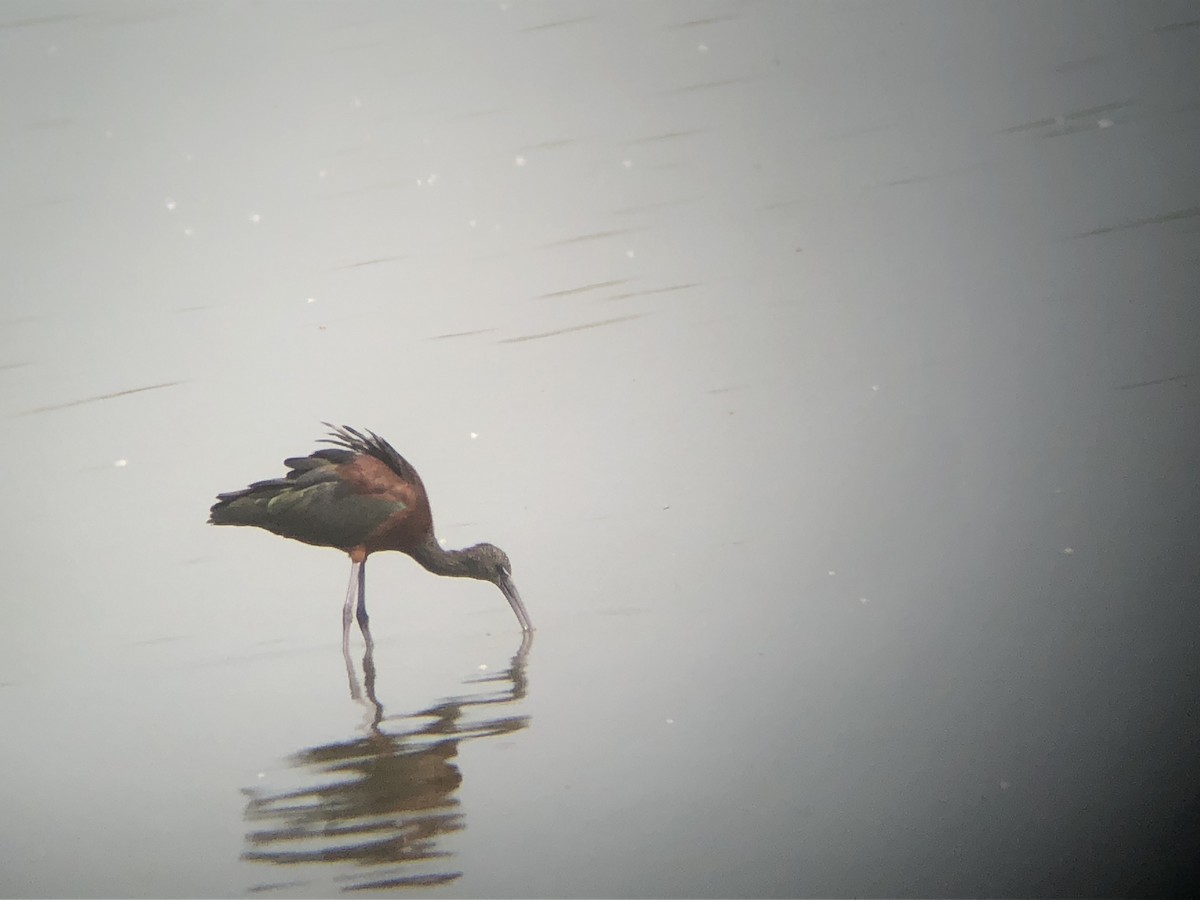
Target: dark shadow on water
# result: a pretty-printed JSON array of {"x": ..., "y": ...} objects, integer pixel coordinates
[{"x": 378, "y": 805}]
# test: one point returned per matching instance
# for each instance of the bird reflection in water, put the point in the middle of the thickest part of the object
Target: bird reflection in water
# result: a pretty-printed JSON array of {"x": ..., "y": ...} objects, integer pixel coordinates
[{"x": 381, "y": 802}]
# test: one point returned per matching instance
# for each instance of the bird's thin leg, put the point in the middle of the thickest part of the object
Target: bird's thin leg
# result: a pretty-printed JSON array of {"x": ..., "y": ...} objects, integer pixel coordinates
[
  {"x": 348, "y": 608},
  {"x": 363, "y": 618}
]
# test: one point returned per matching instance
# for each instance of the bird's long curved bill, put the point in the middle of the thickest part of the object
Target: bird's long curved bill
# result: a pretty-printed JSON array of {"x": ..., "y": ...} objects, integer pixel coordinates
[{"x": 514, "y": 600}]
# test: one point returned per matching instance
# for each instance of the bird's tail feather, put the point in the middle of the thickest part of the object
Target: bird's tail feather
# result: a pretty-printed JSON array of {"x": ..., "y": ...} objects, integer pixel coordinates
[{"x": 247, "y": 506}]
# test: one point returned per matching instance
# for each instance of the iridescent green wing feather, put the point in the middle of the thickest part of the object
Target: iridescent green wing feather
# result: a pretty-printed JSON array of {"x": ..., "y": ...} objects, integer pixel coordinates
[{"x": 312, "y": 504}]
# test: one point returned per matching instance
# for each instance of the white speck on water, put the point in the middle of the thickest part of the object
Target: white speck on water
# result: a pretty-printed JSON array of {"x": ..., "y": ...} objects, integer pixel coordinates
[
  {"x": 702, "y": 48},
  {"x": 832, "y": 572},
  {"x": 356, "y": 103},
  {"x": 431, "y": 179},
  {"x": 875, "y": 387},
  {"x": 1104, "y": 123},
  {"x": 442, "y": 541},
  {"x": 312, "y": 299},
  {"x": 520, "y": 160},
  {"x": 1004, "y": 785},
  {"x": 262, "y": 774},
  {"x": 419, "y": 182},
  {"x": 473, "y": 223},
  {"x": 170, "y": 204},
  {"x": 321, "y": 173},
  {"x": 483, "y": 667},
  {"x": 188, "y": 232},
  {"x": 474, "y": 435},
  {"x": 627, "y": 163},
  {"x": 863, "y": 600},
  {"x": 670, "y": 721},
  {"x": 630, "y": 254},
  {"x": 121, "y": 463},
  {"x": 255, "y": 218},
  {"x": 1068, "y": 550}
]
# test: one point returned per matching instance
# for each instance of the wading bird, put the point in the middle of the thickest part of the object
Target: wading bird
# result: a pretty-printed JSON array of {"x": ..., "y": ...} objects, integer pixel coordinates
[{"x": 361, "y": 496}]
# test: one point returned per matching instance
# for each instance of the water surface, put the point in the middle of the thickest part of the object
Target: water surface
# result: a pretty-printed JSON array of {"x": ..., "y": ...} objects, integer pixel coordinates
[{"x": 828, "y": 372}]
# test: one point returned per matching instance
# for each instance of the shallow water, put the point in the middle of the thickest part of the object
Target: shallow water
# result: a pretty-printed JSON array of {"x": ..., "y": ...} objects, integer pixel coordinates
[{"x": 827, "y": 370}]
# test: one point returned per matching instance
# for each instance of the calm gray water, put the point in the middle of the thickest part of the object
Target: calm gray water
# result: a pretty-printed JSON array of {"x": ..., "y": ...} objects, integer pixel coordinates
[{"x": 828, "y": 371}]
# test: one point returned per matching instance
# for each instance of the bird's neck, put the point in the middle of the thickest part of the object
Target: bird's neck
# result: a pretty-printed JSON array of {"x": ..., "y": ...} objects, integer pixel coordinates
[{"x": 440, "y": 561}]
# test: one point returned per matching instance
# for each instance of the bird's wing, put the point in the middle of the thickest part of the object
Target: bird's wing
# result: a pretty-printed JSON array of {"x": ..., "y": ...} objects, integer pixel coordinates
[
  {"x": 313, "y": 503},
  {"x": 301, "y": 464},
  {"x": 371, "y": 444}
]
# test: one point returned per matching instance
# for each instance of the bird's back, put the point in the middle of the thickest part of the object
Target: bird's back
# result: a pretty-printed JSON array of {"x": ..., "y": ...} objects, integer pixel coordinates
[
  {"x": 360, "y": 494},
  {"x": 313, "y": 504}
]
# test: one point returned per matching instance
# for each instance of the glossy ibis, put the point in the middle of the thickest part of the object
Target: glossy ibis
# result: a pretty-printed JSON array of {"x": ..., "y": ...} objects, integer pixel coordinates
[{"x": 361, "y": 496}]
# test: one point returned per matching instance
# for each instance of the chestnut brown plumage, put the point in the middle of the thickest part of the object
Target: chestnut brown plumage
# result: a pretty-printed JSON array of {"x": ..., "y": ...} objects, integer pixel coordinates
[{"x": 361, "y": 496}]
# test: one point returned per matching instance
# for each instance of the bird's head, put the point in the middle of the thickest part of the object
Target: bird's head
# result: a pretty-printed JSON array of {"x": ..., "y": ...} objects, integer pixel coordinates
[{"x": 489, "y": 563}]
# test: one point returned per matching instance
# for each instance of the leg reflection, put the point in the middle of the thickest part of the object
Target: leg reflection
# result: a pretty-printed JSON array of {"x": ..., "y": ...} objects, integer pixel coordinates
[{"x": 367, "y": 699}]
